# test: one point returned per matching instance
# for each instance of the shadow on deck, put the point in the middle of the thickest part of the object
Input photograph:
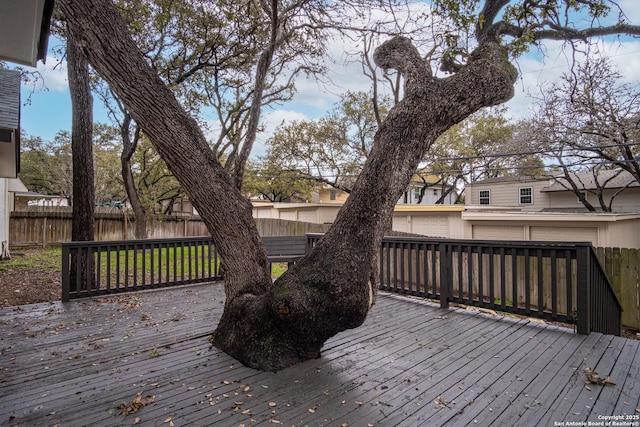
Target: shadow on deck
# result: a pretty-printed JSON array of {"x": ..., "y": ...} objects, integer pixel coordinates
[{"x": 410, "y": 364}]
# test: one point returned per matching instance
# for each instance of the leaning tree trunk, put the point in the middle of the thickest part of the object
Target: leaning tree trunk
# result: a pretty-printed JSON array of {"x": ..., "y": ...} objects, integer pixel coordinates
[
  {"x": 271, "y": 325},
  {"x": 332, "y": 288},
  {"x": 128, "y": 149},
  {"x": 82, "y": 224},
  {"x": 105, "y": 39}
]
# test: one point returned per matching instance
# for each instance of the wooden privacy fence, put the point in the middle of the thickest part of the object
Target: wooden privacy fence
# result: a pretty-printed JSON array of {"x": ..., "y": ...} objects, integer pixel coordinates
[
  {"x": 623, "y": 269},
  {"x": 42, "y": 228}
]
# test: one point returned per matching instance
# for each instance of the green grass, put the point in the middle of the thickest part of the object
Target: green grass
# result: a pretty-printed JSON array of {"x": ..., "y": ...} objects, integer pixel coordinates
[
  {"x": 277, "y": 269},
  {"x": 45, "y": 258},
  {"x": 50, "y": 258},
  {"x": 169, "y": 261}
]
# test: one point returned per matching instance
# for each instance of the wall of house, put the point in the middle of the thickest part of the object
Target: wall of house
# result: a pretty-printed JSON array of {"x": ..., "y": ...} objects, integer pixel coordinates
[
  {"x": 508, "y": 194},
  {"x": 4, "y": 210},
  {"x": 431, "y": 196},
  {"x": 324, "y": 196},
  {"x": 432, "y": 221},
  {"x": 602, "y": 230},
  {"x": 317, "y": 213},
  {"x": 460, "y": 222},
  {"x": 627, "y": 201}
]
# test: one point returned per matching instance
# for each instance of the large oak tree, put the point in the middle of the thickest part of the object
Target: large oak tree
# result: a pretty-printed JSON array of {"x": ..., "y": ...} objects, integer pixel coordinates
[{"x": 271, "y": 325}]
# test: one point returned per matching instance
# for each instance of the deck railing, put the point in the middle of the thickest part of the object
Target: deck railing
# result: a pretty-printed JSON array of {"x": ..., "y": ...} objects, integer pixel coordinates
[
  {"x": 556, "y": 281},
  {"x": 99, "y": 268}
]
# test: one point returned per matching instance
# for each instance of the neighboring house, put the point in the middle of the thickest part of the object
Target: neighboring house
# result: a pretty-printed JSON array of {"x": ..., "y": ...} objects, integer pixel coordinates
[
  {"x": 26, "y": 199},
  {"x": 427, "y": 192},
  {"x": 518, "y": 192},
  {"x": 328, "y": 194},
  {"x": 524, "y": 208},
  {"x": 548, "y": 194},
  {"x": 180, "y": 206},
  {"x": 24, "y": 31},
  {"x": 619, "y": 185},
  {"x": 419, "y": 192},
  {"x": 9, "y": 123},
  {"x": 9, "y": 145},
  {"x": 317, "y": 213}
]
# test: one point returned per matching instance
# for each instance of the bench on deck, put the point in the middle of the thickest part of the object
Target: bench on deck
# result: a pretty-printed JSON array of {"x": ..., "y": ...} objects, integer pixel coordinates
[{"x": 287, "y": 249}]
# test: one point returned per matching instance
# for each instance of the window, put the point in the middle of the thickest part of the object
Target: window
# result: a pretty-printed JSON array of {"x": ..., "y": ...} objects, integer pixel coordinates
[
  {"x": 485, "y": 197},
  {"x": 526, "y": 196},
  {"x": 416, "y": 193},
  {"x": 332, "y": 195}
]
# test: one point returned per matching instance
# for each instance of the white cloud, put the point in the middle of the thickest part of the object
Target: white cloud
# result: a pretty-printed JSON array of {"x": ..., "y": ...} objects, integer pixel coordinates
[
  {"x": 54, "y": 73},
  {"x": 631, "y": 10},
  {"x": 537, "y": 69},
  {"x": 271, "y": 120}
]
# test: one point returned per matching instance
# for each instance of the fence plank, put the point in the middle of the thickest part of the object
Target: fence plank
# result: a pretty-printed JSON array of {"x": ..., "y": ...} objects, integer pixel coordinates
[{"x": 629, "y": 285}]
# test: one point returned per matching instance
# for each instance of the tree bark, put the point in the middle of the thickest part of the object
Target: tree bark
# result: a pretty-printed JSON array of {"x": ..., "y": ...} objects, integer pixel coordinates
[
  {"x": 262, "y": 68},
  {"x": 269, "y": 325},
  {"x": 332, "y": 288},
  {"x": 82, "y": 227},
  {"x": 105, "y": 39},
  {"x": 128, "y": 149}
]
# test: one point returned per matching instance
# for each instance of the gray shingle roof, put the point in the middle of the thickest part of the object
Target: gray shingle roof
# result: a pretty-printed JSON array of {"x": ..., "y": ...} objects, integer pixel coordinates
[
  {"x": 9, "y": 99},
  {"x": 606, "y": 178}
]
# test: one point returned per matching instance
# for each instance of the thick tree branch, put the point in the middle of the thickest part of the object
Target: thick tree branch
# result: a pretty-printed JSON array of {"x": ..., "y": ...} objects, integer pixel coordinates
[{"x": 177, "y": 138}]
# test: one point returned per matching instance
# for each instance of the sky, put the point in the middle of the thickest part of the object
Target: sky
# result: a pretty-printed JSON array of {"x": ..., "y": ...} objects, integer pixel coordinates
[{"x": 49, "y": 111}]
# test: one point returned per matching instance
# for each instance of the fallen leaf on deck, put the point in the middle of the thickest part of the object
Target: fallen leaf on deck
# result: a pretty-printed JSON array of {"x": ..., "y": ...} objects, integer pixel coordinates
[
  {"x": 441, "y": 403},
  {"x": 594, "y": 378},
  {"x": 135, "y": 405}
]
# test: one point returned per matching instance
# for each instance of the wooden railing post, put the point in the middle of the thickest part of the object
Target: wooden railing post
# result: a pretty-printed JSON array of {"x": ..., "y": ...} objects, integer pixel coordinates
[
  {"x": 445, "y": 273},
  {"x": 66, "y": 276},
  {"x": 583, "y": 303}
]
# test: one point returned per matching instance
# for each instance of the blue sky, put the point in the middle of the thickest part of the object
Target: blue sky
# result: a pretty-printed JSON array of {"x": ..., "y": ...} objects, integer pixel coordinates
[{"x": 50, "y": 110}]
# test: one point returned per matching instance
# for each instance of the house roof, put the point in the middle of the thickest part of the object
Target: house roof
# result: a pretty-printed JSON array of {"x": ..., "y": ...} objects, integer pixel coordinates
[
  {"x": 24, "y": 30},
  {"x": 15, "y": 185},
  {"x": 505, "y": 179},
  {"x": 585, "y": 181},
  {"x": 9, "y": 100}
]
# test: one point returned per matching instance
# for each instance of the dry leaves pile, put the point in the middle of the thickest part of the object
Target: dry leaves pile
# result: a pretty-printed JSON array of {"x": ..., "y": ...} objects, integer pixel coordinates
[
  {"x": 135, "y": 405},
  {"x": 594, "y": 378}
]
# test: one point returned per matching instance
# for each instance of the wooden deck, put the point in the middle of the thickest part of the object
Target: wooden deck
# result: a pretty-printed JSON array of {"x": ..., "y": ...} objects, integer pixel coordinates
[{"x": 410, "y": 364}]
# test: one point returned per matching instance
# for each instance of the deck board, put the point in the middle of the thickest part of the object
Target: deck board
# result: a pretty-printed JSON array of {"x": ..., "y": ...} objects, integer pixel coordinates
[{"x": 410, "y": 363}]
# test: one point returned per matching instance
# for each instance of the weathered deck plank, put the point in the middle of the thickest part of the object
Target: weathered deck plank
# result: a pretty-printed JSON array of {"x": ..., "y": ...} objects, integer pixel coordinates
[{"x": 410, "y": 364}]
